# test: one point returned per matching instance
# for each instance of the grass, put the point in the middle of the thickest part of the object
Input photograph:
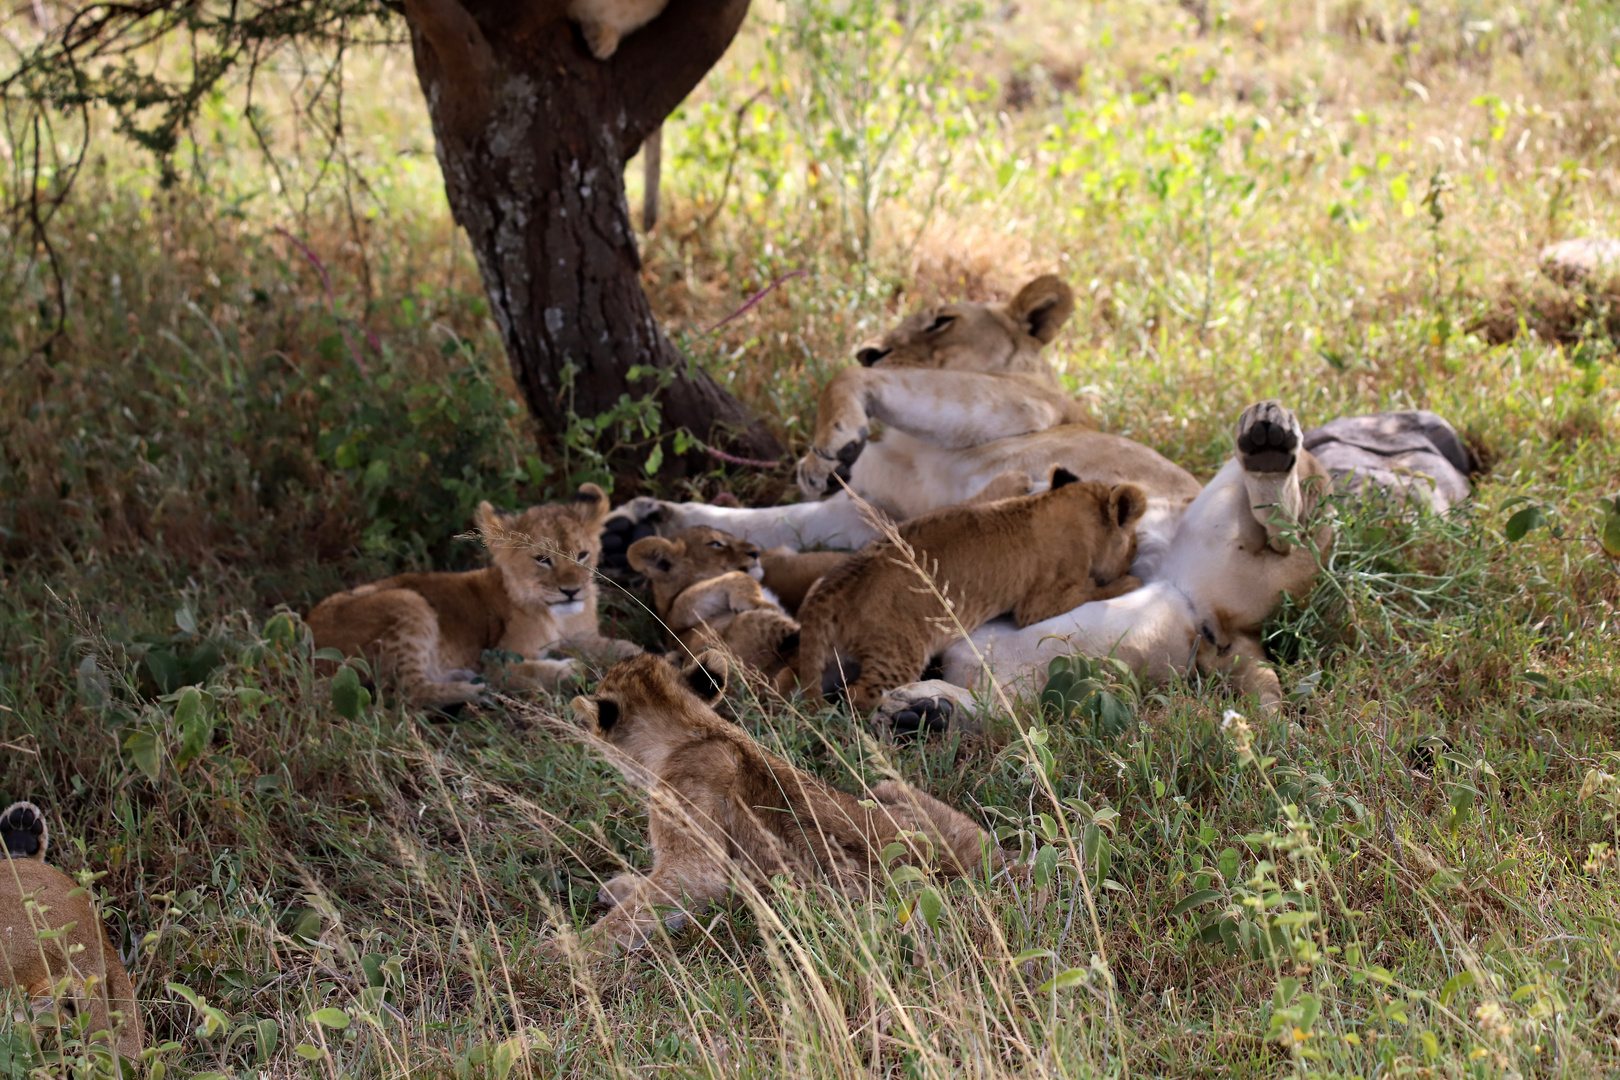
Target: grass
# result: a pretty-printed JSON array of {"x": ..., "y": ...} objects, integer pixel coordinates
[{"x": 1399, "y": 877}]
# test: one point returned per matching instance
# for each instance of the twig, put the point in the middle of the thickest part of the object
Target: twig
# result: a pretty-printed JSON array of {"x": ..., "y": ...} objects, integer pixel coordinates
[
  {"x": 331, "y": 298},
  {"x": 756, "y": 298}
]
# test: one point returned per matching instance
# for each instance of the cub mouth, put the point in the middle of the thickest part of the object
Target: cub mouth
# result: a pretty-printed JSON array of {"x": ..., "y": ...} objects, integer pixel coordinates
[
  {"x": 567, "y": 607},
  {"x": 756, "y": 571}
]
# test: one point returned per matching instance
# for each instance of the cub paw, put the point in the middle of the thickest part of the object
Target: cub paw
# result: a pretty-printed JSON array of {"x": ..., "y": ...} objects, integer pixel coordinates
[
  {"x": 926, "y": 708},
  {"x": 22, "y": 826},
  {"x": 1268, "y": 437},
  {"x": 637, "y": 519}
]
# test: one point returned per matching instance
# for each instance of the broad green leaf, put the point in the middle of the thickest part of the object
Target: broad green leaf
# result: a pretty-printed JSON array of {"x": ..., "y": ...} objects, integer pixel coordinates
[
  {"x": 195, "y": 725},
  {"x": 1197, "y": 899},
  {"x": 147, "y": 750},
  {"x": 1523, "y": 521},
  {"x": 1032, "y": 954},
  {"x": 332, "y": 1018},
  {"x": 1072, "y": 977},
  {"x": 348, "y": 696},
  {"x": 1309, "y": 1006},
  {"x": 929, "y": 903},
  {"x": 1045, "y": 865},
  {"x": 902, "y": 874},
  {"x": 307, "y": 1052},
  {"x": 1228, "y": 863},
  {"x": 1459, "y": 981},
  {"x": 1431, "y": 1045},
  {"x": 280, "y": 629},
  {"x": 185, "y": 620},
  {"x": 1611, "y": 532},
  {"x": 266, "y": 1034},
  {"x": 372, "y": 965}
]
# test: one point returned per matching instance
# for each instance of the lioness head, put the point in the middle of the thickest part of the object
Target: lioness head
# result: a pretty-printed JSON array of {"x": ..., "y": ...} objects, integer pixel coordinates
[
  {"x": 675, "y": 563},
  {"x": 978, "y": 337},
  {"x": 644, "y": 700},
  {"x": 547, "y": 555}
]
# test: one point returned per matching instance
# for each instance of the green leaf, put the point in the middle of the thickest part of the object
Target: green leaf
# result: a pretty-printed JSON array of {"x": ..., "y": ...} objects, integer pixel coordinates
[
  {"x": 1611, "y": 532},
  {"x": 1228, "y": 863},
  {"x": 1459, "y": 981},
  {"x": 195, "y": 724},
  {"x": 266, "y": 1034},
  {"x": 655, "y": 460},
  {"x": 332, "y": 1018},
  {"x": 1072, "y": 977},
  {"x": 1032, "y": 954},
  {"x": 1431, "y": 1045},
  {"x": 902, "y": 874},
  {"x": 147, "y": 750},
  {"x": 307, "y": 1052},
  {"x": 185, "y": 620},
  {"x": 348, "y": 696},
  {"x": 1045, "y": 864},
  {"x": 1197, "y": 899},
  {"x": 1309, "y": 1007},
  {"x": 372, "y": 965},
  {"x": 1522, "y": 522},
  {"x": 929, "y": 902},
  {"x": 280, "y": 629}
]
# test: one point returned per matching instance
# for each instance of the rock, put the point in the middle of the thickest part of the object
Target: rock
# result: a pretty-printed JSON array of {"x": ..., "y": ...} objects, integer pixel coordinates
[
  {"x": 1593, "y": 262},
  {"x": 1415, "y": 452}
]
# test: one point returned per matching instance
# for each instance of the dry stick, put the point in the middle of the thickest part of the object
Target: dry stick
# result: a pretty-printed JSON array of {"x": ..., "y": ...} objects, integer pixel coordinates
[{"x": 331, "y": 298}]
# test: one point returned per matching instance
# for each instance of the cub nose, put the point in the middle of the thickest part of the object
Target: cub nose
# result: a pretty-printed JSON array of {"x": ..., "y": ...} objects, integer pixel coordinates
[{"x": 570, "y": 593}]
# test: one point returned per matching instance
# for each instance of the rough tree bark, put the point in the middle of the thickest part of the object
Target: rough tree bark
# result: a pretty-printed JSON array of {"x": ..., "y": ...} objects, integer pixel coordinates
[{"x": 533, "y": 134}]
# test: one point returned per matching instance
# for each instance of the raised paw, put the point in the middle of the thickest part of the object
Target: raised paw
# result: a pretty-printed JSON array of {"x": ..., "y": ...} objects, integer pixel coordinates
[
  {"x": 1268, "y": 437},
  {"x": 22, "y": 826},
  {"x": 820, "y": 473},
  {"x": 639, "y": 518}
]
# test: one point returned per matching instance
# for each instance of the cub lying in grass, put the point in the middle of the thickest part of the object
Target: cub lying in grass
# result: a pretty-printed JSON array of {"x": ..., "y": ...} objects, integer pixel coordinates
[
  {"x": 722, "y": 807},
  {"x": 1034, "y": 555},
  {"x": 51, "y": 936},
  {"x": 430, "y": 631}
]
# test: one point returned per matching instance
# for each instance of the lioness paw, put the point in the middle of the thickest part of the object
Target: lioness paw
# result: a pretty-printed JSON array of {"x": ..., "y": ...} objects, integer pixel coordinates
[
  {"x": 637, "y": 519},
  {"x": 927, "y": 708},
  {"x": 22, "y": 827},
  {"x": 1268, "y": 437}
]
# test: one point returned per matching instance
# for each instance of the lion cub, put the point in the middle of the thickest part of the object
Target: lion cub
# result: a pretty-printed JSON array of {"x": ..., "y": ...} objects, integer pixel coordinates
[
  {"x": 707, "y": 592},
  {"x": 431, "y": 630},
  {"x": 1034, "y": 555},
  {"x": 50, "y": 932},
  {"x": 604, "y": 22},
  {"x": 723, "y": 808}
]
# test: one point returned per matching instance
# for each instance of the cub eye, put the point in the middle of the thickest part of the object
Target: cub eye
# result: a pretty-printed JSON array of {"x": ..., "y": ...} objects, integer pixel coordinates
[
  {"x": 940, "y": 322},
  {"x": 543, "y": 560},
  {"x": 584, "y": 555},
  {"x": 718, "y": 545}
]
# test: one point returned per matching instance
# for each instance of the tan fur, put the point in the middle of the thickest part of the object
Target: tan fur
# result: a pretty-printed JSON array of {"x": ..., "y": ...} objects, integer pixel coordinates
[
  {"x": 706, "y": 592},
  {"x": 1034, "y": 555},
  {"x": 430, "y": 630},
  {"x": 36, "y": 898},
  {"x": 604, "y": 22},
  {"x": 722, "y": 808},
  {"x": 789, "y": 574}
]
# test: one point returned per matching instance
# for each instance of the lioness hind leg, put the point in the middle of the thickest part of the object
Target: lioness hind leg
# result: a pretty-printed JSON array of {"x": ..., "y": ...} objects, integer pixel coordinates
[{"x": 882, "y": 672}]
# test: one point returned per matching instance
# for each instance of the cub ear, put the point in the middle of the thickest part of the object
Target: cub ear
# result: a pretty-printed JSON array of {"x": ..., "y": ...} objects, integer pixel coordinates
[
  {"x": 487, "y": 520},
  {"x": 1062, "y": 477},
  {"x": 1126, "y": 505},
  {"x": 706, "y": 675},
  {"x": 1042, "y": 307},
  {"x": 595, "y": 715},
  {"x": 591, "y": 503},
  {"x": 652, "y": 552}
]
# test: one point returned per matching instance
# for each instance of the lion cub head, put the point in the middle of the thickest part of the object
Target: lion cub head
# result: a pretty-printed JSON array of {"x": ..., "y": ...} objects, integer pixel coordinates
[
  {"x": 645, "y": 706},
  {"x": 676, "y": 563},
  {"x": 547, "y": 555},
  {"x": 978, "y": 337}
]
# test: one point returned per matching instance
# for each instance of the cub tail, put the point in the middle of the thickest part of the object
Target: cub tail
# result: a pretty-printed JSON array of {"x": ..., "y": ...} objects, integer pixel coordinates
[{"x": 22, "y": 826}]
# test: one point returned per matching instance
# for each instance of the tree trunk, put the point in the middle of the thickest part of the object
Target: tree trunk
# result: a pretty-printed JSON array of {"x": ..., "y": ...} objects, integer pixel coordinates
[{"x": 533, "y": 134}]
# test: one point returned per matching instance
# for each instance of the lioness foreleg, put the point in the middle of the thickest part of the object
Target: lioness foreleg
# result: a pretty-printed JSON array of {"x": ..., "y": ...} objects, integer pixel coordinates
[
  {"x": 1243, "y": 660},
  {"x": 545, "y": 675}
]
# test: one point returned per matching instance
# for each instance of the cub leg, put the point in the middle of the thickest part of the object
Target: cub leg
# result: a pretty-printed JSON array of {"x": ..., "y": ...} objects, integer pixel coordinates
[
  {"x": 689, "y": 872},
  {"x": 756, "y": 637},
  {"x": 408, "y": 648},
  {"x": 615, "y": 889},
  {"x": 789, "y": 574},
  {"x": 546, "y": 675},
  {"x": 960, "y": 845},
  {"x": 896, "y": 664}
]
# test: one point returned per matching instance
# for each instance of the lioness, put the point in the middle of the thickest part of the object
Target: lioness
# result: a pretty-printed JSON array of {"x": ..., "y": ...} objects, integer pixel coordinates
[
  {"x": 52, "y": 941},
  {"x": 1035, "y": 556},
  {"x": 430, "y": 631},
  {"x": 964, "y": 396},
  {"x": 707, "y": 593},
  {"x": 722, "y": 807},
  {"x": 604, "y": 22}
]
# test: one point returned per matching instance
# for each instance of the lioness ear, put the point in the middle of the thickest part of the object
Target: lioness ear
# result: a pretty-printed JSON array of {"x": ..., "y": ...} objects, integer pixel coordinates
[
  {"x": 592, "y": 504},
  {"x": 1062, "y": 477},
  {"x": 706, "y": 675},
  {"x": 487, "y": 521},
  {"x": 1126, "y": 505},
  {"x": 650, "y": 551},
  {"x": 1042, "y": 307}
]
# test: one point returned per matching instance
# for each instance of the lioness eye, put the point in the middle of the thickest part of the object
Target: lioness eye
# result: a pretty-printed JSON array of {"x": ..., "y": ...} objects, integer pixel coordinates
[
  {"x": 940, "y": 322},
  {"x": 716, "y": 544}
]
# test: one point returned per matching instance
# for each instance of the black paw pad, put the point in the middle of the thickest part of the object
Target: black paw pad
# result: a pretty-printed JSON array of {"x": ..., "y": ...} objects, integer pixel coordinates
[
  {"x": 840, "y": 472},
  {"x": 1268, "y": 446},
  {"x": 618, "y": 534},
  {"x": 23, "y": 830},
  {"x": 927, "y": 716}
]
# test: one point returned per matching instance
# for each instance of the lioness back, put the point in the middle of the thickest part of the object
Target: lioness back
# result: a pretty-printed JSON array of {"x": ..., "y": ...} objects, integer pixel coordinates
[
  {"x": 895, "y": 606},
  {"x": 431, "y": 631}
]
